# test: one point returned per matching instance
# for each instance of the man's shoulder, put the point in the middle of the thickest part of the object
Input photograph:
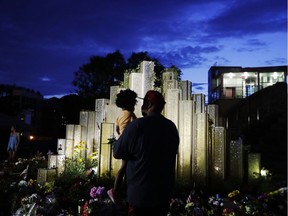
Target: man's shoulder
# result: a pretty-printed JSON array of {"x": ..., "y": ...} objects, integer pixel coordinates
[
  {"x": 138, "y": 120},
  {"x": 135, "y": 122}
]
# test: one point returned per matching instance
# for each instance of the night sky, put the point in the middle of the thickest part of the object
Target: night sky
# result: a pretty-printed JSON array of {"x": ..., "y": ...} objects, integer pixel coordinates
[{"x": 44, "y": 42}]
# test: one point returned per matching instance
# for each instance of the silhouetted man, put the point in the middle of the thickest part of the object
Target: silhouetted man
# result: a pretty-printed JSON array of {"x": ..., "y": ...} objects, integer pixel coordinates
[{"x": 149, "y": 145}]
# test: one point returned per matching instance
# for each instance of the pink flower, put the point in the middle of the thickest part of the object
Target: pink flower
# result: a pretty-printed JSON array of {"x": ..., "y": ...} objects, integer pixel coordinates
[{"x": 97, "y": 192}]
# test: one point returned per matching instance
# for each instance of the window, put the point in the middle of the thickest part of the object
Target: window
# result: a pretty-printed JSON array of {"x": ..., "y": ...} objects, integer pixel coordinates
[{"x": 270, "y": 78}]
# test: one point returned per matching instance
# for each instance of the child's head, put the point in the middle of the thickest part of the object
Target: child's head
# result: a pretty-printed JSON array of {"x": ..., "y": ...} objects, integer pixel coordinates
[{"x": 126, "y": 99}]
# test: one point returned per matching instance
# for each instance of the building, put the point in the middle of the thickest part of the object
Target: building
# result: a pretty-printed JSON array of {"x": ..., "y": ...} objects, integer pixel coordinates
[
  {"x": 261, "y": 121},
  {"x": 253, "y": 106},
  {"x": 228, "y": 85},
  {"x": 238, "y": 82},
  {"x": 20, "y": 103}
]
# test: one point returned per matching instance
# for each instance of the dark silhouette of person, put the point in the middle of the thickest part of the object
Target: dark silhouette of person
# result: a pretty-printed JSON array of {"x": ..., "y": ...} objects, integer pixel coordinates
[
  {"x": 149, "y": 145},
  {"x": 13, "y": 143}
]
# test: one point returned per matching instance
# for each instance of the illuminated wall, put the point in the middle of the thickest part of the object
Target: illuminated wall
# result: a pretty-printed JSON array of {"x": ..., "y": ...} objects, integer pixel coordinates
[
  {"x": 186, "y": 142},
  {"x": 236, "y": 159},
  {"x": 254, "y": 166},
  {"x": 201, "y": 154},
  {"x": 200, "y": 149},
  {"x": 218, "y": 153},
  {"x": 105, "y": 151}
]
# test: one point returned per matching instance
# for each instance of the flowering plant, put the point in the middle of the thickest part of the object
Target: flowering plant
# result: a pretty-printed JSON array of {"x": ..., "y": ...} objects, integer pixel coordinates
[
  {"x": 97, "y": 192},
  {"x": 76, "y": 187},
  {"x": 233, "y": 194},
  {"x": 98, "y": 201},
  {"x": 197, "y": 204}
]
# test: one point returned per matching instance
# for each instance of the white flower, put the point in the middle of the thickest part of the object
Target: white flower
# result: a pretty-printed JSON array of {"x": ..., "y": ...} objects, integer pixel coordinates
[
  {"x": 22, "y": 183},
  {"x": 283, "y": 190},
  {"x": 34, "y": 197},
  {"x": 13, "y": 184}
]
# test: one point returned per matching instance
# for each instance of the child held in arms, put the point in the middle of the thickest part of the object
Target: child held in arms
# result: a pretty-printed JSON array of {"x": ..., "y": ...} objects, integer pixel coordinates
[{"x": 126, "y": 100}]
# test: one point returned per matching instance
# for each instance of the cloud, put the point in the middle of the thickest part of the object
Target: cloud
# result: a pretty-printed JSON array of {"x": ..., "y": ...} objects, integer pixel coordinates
[
  {"x": 277, "y": 61},
  {"x": 185, "y": 56},
  {"x": 253, "y": 17},
  {"x": 53, "y": 39},
  {"x": 252, "y": 45},
  {"x": 200, "y": 87},
  {"x": 45, "y": 79}
]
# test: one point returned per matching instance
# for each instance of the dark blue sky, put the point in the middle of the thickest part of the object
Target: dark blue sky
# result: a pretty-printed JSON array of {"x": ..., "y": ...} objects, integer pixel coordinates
[{"x": 44, "y": 42}]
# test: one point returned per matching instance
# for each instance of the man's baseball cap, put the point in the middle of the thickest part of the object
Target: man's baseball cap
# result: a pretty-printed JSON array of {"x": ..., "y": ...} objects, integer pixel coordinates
[{"x": 155, "y": 97}]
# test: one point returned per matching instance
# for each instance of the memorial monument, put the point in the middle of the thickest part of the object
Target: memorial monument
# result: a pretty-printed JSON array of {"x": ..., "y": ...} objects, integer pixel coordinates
[{"x": 202, "y": 149}]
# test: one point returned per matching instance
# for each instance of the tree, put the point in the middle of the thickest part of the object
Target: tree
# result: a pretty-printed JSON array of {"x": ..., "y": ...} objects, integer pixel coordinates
[
  {"x": 93, "y": 80},
  {"x": 177, "y": 71},
  {"x": 70, "y": 107},
  {"x": 158, "y": 69},
  {"x": 136, "y": 58},
  {"x": 51, "y": 119}
]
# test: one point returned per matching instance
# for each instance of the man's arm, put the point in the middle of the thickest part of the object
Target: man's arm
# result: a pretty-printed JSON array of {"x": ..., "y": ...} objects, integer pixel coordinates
[
  {"x": 119, "y": 148},
  {"x": 122, "y": 147}
]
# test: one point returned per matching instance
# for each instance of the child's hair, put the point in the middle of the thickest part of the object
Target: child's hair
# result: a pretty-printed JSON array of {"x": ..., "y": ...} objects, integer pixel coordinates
[{"x": 126, "y": 99}]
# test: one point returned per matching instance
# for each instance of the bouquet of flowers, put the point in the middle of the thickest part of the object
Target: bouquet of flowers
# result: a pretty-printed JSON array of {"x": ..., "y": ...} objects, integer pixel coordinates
[{"x": 97, "y": 201}]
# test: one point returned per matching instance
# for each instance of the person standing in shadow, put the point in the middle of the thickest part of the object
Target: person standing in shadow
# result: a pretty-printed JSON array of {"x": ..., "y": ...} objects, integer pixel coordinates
[
  {"x": 13, "y": 143},
  {"x": 149, "y": 146}
]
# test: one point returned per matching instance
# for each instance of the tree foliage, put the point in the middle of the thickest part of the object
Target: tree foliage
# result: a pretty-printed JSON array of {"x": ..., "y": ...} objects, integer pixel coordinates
[
  {"x": 177, "y": 71},
  {"x": 93, "y": 80},
  {"x": 136, "y": 58}
]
